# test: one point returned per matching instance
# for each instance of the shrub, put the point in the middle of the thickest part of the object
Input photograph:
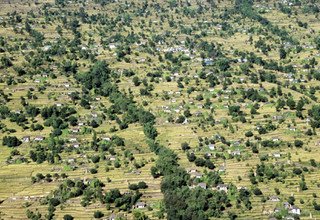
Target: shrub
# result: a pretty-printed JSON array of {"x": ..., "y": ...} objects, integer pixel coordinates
[
  {"x": 67, "y": 217},
  {"x": 98, "y": 214}
]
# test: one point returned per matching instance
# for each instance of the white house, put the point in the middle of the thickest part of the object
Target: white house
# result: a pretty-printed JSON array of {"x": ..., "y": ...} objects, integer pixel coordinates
[
  {"x": 211, "y": 146},
  {"x": 140, "y": 205},
  {"x": 294, "y": 210},
  {"x": 222, "y": 187},
  {"x": 202, "y": 185},
  {"x": 39, "y": 138},
  {"x": 274, "y": 199},
  {"x": 26, "y": 139}
]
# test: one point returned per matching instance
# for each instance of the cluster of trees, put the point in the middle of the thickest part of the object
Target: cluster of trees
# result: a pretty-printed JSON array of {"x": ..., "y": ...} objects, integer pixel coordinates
[
  {"x": 48, "y": 177},
  {"x": 266, "y": 171},
  {"x": 11, "y": 141}
]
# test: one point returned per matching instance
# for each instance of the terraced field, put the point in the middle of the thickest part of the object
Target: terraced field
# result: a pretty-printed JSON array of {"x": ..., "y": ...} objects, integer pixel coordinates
[{"x": 178, "y": 109}]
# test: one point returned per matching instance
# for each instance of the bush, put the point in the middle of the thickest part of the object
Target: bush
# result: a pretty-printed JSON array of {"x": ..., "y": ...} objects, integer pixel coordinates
[
  {"x": 200, "y": 162},
  {"x": 185, "y": 146},
  {"x": 142, "y": 185},
  {"x": 297, "y": 171},
  {"x": 249, "y": 134},
  {"x": 298, "y": 143},
  {"x": 95, "y": 159},
  {"x": 133, "y": 187},
  {"x": 54, "y": 202},
  {"x": 11, "y": 141},
  {"x": 98, "y": 214},
  {"x": 67, "y": 217},
  {"x": 257, "y": 192}
]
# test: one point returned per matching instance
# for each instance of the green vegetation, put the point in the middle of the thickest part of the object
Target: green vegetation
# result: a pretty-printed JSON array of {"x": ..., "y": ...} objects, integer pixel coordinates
[{"x": 159, "y": 109}]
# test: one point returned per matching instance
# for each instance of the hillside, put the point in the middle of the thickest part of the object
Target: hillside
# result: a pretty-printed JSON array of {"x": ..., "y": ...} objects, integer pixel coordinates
[{"x": 178, "y": 109}]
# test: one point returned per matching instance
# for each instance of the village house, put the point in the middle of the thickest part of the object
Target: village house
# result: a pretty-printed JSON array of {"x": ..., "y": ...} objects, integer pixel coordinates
[
  {"x": 72, "y": 139},
  {"x": 76, "y": 145},
  {"x": 190, "y": 170},
  {"x": 39, "y": 138},
  {"x": 275, "y": 139},
  {"x": 112, "y": 158},
  {"x": 81, "y": 123},
  {"x": 276, "y": 155},
  {"x": 276, "y": 210},
  {"x": 236, "y": 143},
  {"x": 137, "y": 172},
  {"x": 291, "y": 208},
  {"x": 75, "y": 130},
  {"x": 94, "y": 114},
  {"x": 222, "y": 187},
  {"x": 274, "y": 199},
  {"x": 198, "y": 113},
  {"x": 294, "y": 210},
  {"x": 277, "y": 117},
  {"x": 236, "y": 153},
  {"x": 202, "y": 185},
  {"x": 112, "y": 46},
  {"x": 196, "y": 175},
  {"x": 208, "y": 62},
  {"x": 140, "y": 205},
  {"x": 292, "y": 128},
  {"x": 26, "y": 139},
  {"x": 211, "y": 146},
  {"x": 241, "y": 187},
  {"x": 114, "y": 216},
  {"x": 222, "y": 169},
  {"x": 106, "y": 138}
]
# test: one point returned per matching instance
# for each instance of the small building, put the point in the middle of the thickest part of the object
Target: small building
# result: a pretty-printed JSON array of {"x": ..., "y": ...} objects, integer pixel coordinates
[
  {"x": 75, "y": 130},
  {"x": 140, "y": 205},
  {"x": 236, "y": 153},
  {"x": 274, "y": 199},
  {"x": 222, "y": 187},
  {"x": 292, "y": 129},
  {"x": 198, "y": 113},
  {"x": 26, "y": 139},
  {"x": 275, "y": 139},
  {"x": 277, "y": 117},
  {"x": 94, "y": 114},
  {"x": 137, "y": 172},
  {"x": 276, "y": 155},
  {"x": 276, "y": 210},
  {"x": 112, "y": 158},
  {"x": 211, "y": 146},
  {"x": 106, "y": 138},
  {"x": 81, "y": 123},
  {"x": 39, "y": 138},
  {"x": 208, "y": 62},
  {"x": 286, "y": 205},
  {"x": 114, "y": 216},
  {"x": 222, "y": 169},
  {"x": 196, "y": 175},
  {"x": 72, "y": 139},
  {"x": 202, "y": 185},
  {"x": 76, "y": 145},
  {"x": 294, "y": 210}
]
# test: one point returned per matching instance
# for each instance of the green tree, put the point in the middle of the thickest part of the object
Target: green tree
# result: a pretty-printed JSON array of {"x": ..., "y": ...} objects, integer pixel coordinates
[{"x": 150, "y": 131}]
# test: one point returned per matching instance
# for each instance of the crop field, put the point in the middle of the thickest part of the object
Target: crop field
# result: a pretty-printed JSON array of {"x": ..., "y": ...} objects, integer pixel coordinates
[{"x": 176, "y": 109}]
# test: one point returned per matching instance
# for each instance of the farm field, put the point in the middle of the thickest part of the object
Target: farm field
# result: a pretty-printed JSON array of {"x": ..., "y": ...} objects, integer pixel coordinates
[{"x": 178, "y": 109}]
